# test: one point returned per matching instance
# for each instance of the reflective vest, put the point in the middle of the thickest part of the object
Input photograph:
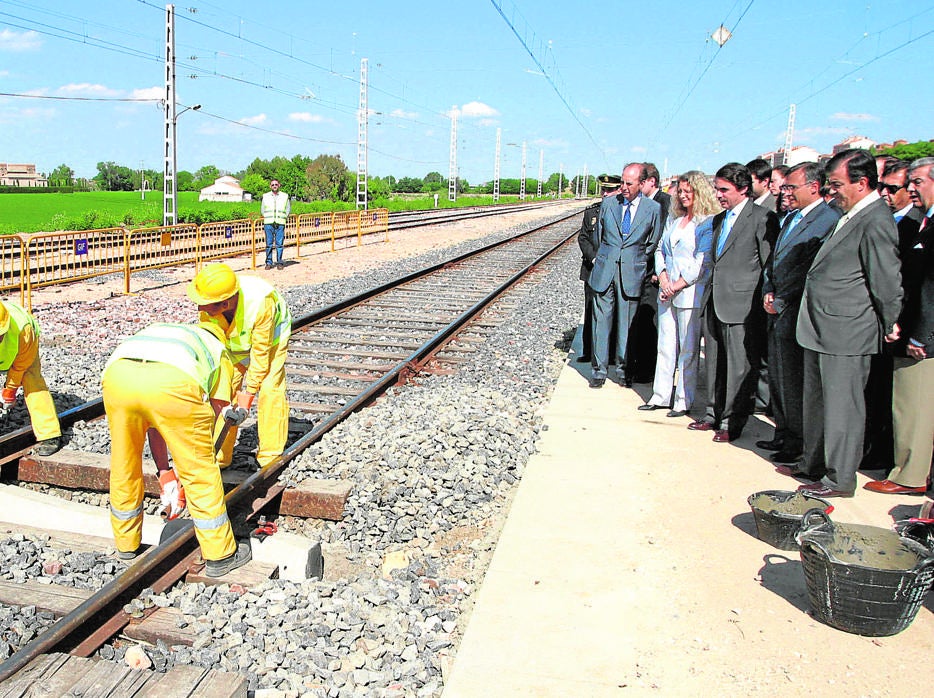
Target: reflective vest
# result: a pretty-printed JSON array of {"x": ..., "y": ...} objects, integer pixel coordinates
[
  {"x": 253, "y": 293},
  {"x": 276, "y": 208},
  {"x": 9, "y": 346},
  {"x": 195, "y": 352}
]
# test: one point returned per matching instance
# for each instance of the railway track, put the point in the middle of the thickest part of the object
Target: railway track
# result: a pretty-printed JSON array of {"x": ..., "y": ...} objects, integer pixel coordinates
[{"x": 341, "y": 358}]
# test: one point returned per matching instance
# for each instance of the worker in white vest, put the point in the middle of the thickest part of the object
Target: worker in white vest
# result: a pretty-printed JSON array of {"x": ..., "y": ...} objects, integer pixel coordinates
[{"x": 276, "y": 209}]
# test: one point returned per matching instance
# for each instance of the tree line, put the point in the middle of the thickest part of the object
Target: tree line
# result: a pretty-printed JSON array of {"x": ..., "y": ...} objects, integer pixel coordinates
[{"x": 325, "y": 177}]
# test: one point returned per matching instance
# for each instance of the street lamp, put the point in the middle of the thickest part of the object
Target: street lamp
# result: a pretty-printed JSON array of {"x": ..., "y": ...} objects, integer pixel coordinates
[{"x": 170, "y": 198}]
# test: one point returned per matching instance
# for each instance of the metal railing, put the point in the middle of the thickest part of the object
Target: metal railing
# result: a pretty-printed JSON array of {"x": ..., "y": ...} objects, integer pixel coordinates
[{"x": 38, "y": 260}]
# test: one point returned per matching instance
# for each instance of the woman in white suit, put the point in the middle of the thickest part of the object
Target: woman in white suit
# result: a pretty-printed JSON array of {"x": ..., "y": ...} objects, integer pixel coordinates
[{"x": 683, "y": 269}]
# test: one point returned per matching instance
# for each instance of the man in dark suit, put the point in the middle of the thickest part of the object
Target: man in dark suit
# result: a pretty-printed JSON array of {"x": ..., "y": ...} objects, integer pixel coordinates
[
  {"x": 586, "y": 240},
  {"x": 761, "y": 173},
  {"x": 852, "y": 297},
  {"x": 913, "y": 383},
  {"x": 802, "y": 233},
  {"x": 878, "y": 443},
  {"x": 628, "y": 229},
  {"x": 734, "y": 331},
  {"x": 643, "y": 347}
]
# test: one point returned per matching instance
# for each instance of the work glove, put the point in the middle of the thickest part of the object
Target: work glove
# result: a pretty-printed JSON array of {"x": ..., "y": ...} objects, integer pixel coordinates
[
  {"x": 171, "y": 494},
  {"x": 245, "y": 400},
  {"x": 8, "y": 397},
  {"x": 234, "y": 416}
]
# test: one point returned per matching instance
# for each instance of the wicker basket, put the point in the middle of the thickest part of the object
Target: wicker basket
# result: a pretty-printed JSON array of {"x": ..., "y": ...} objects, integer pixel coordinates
[
  {"x": 779, "y": 513},
  {"x": 875, "y": 599}
]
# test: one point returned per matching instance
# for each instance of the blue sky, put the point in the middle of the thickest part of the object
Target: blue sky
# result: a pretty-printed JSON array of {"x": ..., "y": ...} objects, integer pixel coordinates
[{"x": 603, "y": 86}]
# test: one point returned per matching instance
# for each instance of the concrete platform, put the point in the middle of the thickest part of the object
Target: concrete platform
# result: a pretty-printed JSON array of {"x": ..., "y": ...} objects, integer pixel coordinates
[{"x": 629, "y": 565}]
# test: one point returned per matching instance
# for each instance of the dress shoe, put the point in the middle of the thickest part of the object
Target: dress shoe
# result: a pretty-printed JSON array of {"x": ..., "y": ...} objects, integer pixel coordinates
[
  {"x": 794, "y": 472},
  {"x": 268, "y": 265},
  {"x": 784, "y": 456},
  {"x": 648, "y": 407},
  {"x": 889, "y": 487},
  {"x": 773, "y": 445},
  {"x": 722, "y": 436},
  {"x": 596, "y": 382},
  {"x": 627, "y": 382},
  {"x": 700, "y": 425},
  {"x": 583, "y": 358},
  {"x": 819, "y": 489},
  {"x": 676, "y": 413}
]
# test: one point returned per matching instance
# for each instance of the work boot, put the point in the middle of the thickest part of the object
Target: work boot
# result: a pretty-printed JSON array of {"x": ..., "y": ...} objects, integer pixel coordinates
[
  {"x": 48, "y": 447},
  {"x": 218, "y": 568},
  {"x": 128, "y": 554}
]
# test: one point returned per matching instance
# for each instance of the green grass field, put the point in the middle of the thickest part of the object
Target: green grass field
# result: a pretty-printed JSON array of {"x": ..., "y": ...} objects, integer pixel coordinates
[{"x": 32, "y": 213}]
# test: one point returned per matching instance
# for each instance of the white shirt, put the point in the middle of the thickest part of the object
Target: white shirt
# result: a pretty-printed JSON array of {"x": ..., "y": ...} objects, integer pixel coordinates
[{"x": 871, "y": 197}]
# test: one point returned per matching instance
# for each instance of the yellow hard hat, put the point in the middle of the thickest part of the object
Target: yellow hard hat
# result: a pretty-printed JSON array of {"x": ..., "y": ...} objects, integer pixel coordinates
[
  {"x": 4, "y": 319},
  {"x": 214, "y": 283},
  {"x": 214, "y": 329}
]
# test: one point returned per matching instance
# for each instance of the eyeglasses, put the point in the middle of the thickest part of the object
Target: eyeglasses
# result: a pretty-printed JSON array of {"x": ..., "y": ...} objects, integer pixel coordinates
[
  {"x": 890, "y": 188},
  {"x": 790, "y": 188}
]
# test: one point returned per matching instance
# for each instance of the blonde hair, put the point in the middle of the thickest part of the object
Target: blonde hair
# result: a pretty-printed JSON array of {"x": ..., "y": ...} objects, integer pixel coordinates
[{"x": 705, "y": 200}]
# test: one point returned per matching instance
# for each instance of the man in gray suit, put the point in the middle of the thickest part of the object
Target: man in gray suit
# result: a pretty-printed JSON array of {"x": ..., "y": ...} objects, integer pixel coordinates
[
  {"x": 800, "y": 238},
  {"x": 628, "y": 229},
  {"x": 734, "y": 331},
  {"x": 852, "y": 298},
  {"x": 586, "y": 240}
]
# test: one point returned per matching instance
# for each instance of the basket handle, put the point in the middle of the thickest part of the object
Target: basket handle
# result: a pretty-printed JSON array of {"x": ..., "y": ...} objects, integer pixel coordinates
[
  {"x": 807, "y": 521},
  {"x": 827, "y": 510}
]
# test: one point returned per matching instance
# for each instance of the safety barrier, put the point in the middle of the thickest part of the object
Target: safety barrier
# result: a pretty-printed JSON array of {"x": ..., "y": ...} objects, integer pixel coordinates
[
  {"x": 12, "y": 265},
  {"x": 37, "y": 260},
  {"x": 64, "y": 257}
]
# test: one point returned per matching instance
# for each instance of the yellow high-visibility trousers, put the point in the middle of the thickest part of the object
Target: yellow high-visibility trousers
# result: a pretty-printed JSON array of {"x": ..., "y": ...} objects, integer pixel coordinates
[
  {"x": 272, "y": 412},
  {"x": 39, "y": 403},
  {"x": 139, "y": 395}
]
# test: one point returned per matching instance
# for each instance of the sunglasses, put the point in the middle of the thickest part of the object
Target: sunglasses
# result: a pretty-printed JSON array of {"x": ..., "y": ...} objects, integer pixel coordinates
[{"x": 890, "y": 188}]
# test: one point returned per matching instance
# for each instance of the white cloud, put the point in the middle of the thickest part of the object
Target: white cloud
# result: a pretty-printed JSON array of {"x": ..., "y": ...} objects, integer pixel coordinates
[
  {"x": 549, "y": 143},
  {"x": 639, "y": 149},
  {"x": 586, "y": 112},
  {"x": 477, "y": 110},
  {"x": 253, "y": 120},
  {"x": 148, "y": 93},
  {"x": 402, "y": 114},
  {"x": 4, "y": 73},
  {"x": 304, "y": 116},
  {"x": 846, "y": 116},
  {"x": 820, "y": 131},
  {"x": 19, "y": 41},
  {"x": 487, "y": 122},
  {"x": 86, "y": 89}
]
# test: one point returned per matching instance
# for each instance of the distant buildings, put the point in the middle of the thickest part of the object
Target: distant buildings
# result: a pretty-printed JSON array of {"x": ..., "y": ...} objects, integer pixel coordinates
[
  {"x": 21, "y": 175},
  {"x": 225, "y": 188},
  {"x": 802, "y": 153}
]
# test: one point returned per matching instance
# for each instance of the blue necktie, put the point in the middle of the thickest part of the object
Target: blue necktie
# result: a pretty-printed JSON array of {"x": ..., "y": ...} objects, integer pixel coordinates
[
  {"x": 792, "y": 222},
  {"x": 725, "y": 231},
  {"x": 627, "y": 221}
]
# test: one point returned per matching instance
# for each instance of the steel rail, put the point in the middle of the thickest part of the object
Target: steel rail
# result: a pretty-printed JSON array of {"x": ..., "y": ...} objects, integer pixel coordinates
[{"x": 150, "y": 565}]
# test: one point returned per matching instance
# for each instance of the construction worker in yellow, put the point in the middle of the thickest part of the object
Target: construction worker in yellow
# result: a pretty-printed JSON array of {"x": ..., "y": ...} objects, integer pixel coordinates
[
  {"x": 19, "y": 357},
  {"x": 177, "y": 380},
  {"x": 256, "y": 321}
]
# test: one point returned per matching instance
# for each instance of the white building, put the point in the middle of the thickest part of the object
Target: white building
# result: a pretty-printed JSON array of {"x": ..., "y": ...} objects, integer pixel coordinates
[{"x": 225, "y": 188}]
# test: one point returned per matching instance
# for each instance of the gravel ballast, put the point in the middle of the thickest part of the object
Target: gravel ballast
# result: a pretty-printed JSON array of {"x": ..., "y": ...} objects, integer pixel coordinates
[{"x": 433, "y": 464}]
